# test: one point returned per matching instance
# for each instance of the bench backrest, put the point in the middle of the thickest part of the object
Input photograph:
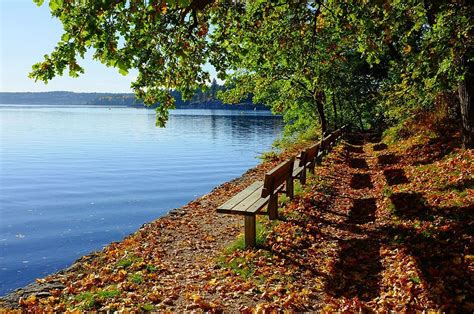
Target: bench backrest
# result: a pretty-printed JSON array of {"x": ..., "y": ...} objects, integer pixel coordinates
[
  {"x": 277, "y": 176},
  {"x": 311, "y": 152},
  {"x": 301, "y": 158},
  {"x": 325, "y": 142}
]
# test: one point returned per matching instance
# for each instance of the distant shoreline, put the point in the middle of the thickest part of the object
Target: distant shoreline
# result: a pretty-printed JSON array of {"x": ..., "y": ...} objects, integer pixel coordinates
[{"x": 125, "y": 100}]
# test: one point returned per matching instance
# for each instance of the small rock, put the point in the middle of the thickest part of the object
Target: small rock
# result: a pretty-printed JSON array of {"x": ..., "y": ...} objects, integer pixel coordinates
[{"x": 43, "y": 294}]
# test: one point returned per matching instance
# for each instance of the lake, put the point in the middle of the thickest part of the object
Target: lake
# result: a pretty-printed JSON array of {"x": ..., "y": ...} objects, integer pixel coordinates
[{"x": 73, "y": 179}]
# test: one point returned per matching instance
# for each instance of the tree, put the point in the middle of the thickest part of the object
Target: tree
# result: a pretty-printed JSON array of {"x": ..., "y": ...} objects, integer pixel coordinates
[
  {"x": 428, "y": 45},
  {"x": 291, "y": 57}
]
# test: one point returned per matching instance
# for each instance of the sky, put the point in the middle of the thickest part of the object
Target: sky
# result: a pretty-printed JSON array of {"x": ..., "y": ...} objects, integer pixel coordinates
[{"x": 27, "y": 33}]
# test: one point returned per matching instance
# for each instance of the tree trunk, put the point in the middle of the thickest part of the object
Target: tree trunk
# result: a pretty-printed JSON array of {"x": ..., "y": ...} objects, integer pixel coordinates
[
  {"x": 319, "y": 100},
  {"x": 334, "y": 107},
  {"x": 466, "y": 93},
  {"x": 358, "y": 114}
]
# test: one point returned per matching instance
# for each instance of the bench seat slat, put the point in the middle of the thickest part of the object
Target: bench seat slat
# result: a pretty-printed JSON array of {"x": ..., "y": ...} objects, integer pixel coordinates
[
  {"x": 241, "y": 199},
  {"x": 248, "y": 202},
  {"x": 259, "y": 204}
]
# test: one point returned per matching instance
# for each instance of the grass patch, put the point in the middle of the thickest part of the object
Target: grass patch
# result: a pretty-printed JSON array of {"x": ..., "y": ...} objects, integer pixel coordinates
[
  {"x": 293, "y": 215},
  {"x": 239, "y": 243},
  {"x": 391, "y": 208},
  {"x": 298, "y": 188},
  {"x": 268, "y": 156},
  {"x": 237, "y": 263},
  {"x": 136, "y": 278},
  {"x": 89, "y": 300},
  {"x": 240, "y": 267},
  {"x": 147, "y": 307},
  {"x": 108, "y": 293},
  {"x": 151, "y": 268},
  {"x": 128, "y": 261},
  {"x": 387, "y": 191}
]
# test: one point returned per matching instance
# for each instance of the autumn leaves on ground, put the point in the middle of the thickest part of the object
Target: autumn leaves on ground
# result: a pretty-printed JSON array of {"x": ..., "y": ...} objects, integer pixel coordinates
[{"x": 379, "y": 227}]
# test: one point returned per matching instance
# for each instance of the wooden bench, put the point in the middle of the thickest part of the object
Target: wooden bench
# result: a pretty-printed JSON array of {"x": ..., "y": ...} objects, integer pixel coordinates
[
  {"x": 250, "y": 201},
  {"x": 323, "y": 148},
  {"x": 328, "y": 142},
  {"x": 306, "y": 161}
]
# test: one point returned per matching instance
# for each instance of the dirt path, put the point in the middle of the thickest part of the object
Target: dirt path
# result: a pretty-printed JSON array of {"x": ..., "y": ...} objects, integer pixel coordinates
[{"x": 388, "y": 243}]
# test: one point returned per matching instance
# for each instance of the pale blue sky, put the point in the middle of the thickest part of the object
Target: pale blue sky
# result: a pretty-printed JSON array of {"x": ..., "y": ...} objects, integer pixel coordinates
[{"x": 27, "y": 32}]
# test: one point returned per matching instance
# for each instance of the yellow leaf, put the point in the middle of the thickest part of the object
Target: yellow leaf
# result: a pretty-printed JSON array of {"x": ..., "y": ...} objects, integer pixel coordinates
[{"x": 213, "y": 282}]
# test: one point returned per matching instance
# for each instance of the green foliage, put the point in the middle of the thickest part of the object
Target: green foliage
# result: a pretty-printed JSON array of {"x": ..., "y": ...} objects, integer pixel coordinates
[
  {"x": 268, "y": 156},
  {"x": 87, "y": 299},
  {"x": 415, "y": 280},
  {"x": 151, "y": 268},
  {"x": 395, "y": 134},
  {"x": 387, "y": 191}
]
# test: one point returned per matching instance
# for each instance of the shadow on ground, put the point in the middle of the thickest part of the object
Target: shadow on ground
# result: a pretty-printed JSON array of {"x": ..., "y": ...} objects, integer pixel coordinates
[
  {"x": 380, "y": 147},
  {"x": 395, "y": 176},
  {"x": 433, "y": 150},
  {"x": 361, "y": 181},
  {"x": 353, "y": 149},
  {"x": 357, "y": 270},
  {"x": 440, "y": 253},
  {"x": 358, "y": 163},
  {"x": 388, "y": 159},
  {"x": 362, "y": 211}
]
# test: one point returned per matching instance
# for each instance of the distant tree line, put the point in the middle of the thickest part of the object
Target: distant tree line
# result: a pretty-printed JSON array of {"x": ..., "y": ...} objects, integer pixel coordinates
[{"x": 204, "y": 98}]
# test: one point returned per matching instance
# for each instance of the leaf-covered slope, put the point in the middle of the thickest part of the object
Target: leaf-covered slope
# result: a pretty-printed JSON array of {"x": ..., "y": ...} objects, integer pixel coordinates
[{"x": 378, "y": 228}]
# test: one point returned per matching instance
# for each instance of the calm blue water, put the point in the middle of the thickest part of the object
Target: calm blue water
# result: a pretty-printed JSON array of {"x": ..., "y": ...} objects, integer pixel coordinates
[{"x": 74, "y": 179}]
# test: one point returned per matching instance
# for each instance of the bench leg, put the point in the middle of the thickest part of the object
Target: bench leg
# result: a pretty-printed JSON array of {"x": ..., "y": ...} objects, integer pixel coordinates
[
  {"x": 250, "y": 232},
  {"x": 303, "y": 176},
  {"x": 273, "y": 207},
  {"x": 312, "y": 165},
  {"x": 290, "y": 188},
  {"x": 319, "y": 160}
]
